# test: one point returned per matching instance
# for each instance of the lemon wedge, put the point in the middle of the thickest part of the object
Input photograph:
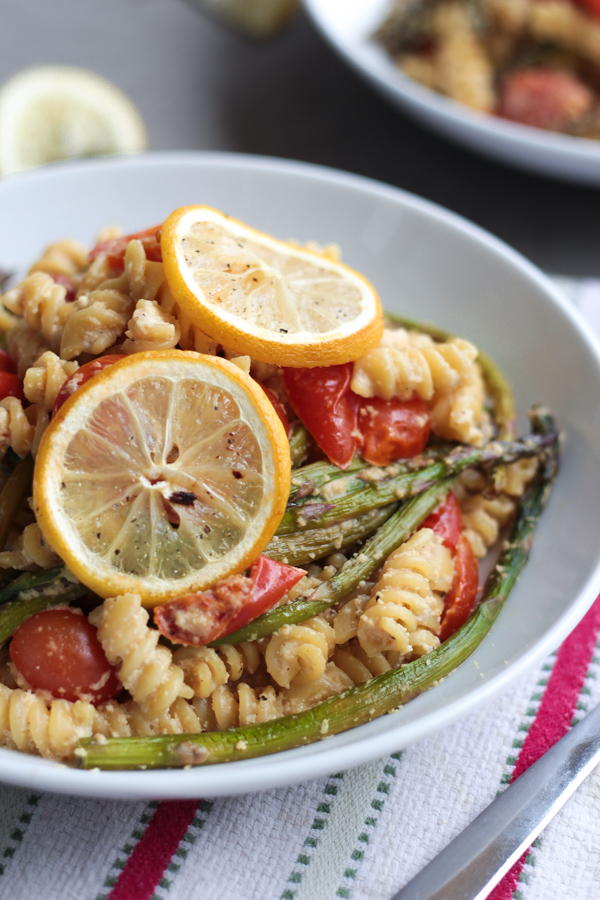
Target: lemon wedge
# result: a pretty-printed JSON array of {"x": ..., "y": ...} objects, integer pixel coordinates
[
  {"x": 271, "y": 300},
  {"x": 163, "y": 474},
  {"x": 260, "y": 19},
  {"x": 52, "y": 113}
]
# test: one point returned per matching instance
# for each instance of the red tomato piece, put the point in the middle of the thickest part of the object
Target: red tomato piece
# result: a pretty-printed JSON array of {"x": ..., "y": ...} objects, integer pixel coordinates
[
  {"x": 58, "y": 651},
  {"x": 6, "y": 363},
  {"x": 460, "y": 599},
  {"x": 392, "y": 429},
  {"x": 446, "y": 521},
  {"x": 83, "y": 374},
  {"x": 200, "y": 618},
  {"x": 544, "y": 98},
  {"x": 279, "y": 409},
  {"x": 115, "y": 248},
  {"x": 322, "y": 400},
  {"x": 11, "y": 386},
  {"x": 592, "y": 6}
]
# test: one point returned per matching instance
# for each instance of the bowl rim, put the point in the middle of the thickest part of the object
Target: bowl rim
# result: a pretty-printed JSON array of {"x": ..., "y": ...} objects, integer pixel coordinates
[
  {"x": 371, "y": 61},
  {"x": 293, "y": 766}
]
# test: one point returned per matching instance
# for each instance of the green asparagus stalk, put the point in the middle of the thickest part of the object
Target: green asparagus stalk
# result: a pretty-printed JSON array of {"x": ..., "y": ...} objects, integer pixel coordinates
[
  {"x": 315, "y": 543},
  {"x": 372, "y": 554},
  {"x": 407, "y": 484},
  {"x": 48, "y": 582},
  {"x": 299, "y": 444},
  {"x": 14, "y": 492},
  {"x": 308, "y": 480},
  {"x": 359, "y": 704},
  {"x": 15, "y": 613}
]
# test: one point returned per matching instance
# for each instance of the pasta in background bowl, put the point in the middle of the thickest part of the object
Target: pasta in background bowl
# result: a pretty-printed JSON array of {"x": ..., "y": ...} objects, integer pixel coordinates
[
  {"x": 478, "y": 288},
  {"x": 351, "y": 28}
]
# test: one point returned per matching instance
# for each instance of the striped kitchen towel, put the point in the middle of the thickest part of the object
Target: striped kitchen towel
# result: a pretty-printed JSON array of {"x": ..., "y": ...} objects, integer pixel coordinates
[{"x": 358, "y": 834}]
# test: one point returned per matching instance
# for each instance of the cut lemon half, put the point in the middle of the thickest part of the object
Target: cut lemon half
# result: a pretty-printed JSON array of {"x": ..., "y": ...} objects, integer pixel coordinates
[
  {"x": 259, "y": 296},
  {"x": 163, "y": 474},
  {"x": 51, "y": 113}
]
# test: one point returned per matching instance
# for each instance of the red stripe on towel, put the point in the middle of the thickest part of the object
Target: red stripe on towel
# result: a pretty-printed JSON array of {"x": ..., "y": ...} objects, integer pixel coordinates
[
  {"x": 151, "y": 856},
  {"x": 555, "y": 714}
]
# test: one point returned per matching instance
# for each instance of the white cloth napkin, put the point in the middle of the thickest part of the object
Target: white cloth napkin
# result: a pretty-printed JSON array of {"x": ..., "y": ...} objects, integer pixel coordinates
[{"x": 357, "y": 834}]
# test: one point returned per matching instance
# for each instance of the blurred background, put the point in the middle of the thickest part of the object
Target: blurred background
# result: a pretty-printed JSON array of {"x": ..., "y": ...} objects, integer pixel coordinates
[{"x": 201, "y": 85}]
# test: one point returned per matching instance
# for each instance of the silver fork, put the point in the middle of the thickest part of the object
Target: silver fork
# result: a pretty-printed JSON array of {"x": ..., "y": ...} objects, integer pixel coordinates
[{"x": 477, "y": 859}]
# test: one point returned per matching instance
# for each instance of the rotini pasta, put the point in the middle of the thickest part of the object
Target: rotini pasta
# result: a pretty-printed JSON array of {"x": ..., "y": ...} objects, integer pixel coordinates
[
  {"x": 145, "y": 668},
  {"x": 405, "y": 608},
  {"x": 299, "y": 653},
  {"x": 43, "y": 304},
  {"x": 405, "y": 364},
  {"x": 483, "y": 517},
  {"x": 21, "y": 429},
  {"x": 44, "y": 379},
  {"x": 66, "y": 258},
  {"x": 30, "y": 723},
  {"x": 151, "y": 328},
  {"x": 207, "y": 668}
]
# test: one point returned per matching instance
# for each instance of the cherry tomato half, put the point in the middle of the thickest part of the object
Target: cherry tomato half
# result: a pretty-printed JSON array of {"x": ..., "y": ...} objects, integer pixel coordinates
[
  {"x": 11, "y": 386},
  {"x": 58, "y": 650},
  {"x": 446, "y": 521},
  {"x": 6, "y": 363},
  {"x": 324, "y": 403},
  {"x": 544, "y": 98},
  {"x": 392, "y": 429},
  {"x": 279, "y": 408},
  {"x": 460, "y": 599},
  {"x": 592, "y": 6},
  {"x": 197, "y": 619},
  {"x": 115, "y": 248},
  {"x": 83, "y": 374}
]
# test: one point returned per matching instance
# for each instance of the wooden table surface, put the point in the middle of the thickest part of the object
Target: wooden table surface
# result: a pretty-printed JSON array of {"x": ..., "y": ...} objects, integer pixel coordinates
[{"x": 201, "y": 86}]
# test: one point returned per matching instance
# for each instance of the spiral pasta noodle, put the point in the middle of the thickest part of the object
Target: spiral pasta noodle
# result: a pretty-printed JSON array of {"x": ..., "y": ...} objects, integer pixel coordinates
[
  {"x": 460, "y": 415},
  {"x": 462, "y": 64},
  {"x": 43, "y": 304},
  {"x": 207, "y": 668},
  {"x": 404, "y": 611},
  {"x": 66, "y": 258},
  {"x": 358, "y": 665},
  {"x": 145, "y": 668},
  {"x": 21, "y": 429},
  {"x": 31, "y": 724},
  {"x": 405, "y": 365},
  {"x": 97, "y": 320},
  {"x": 242, "y": 705},
  {"x": 483, "y": 517},
  {"x": 299, "y": 697},
  {"x": 44, "y": 379},
  {"x": 151, "y": 328},
  {"x": 299, "y": 653},
  {"x": 24, "y": 345}
]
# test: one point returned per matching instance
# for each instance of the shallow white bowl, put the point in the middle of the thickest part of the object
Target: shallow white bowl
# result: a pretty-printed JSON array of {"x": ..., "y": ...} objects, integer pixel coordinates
[
  {"x": 349, "y": 26},
  {"x": 426, "y": 263}
]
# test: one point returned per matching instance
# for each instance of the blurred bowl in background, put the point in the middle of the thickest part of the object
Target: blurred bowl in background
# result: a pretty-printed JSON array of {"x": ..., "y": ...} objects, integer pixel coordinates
[{"x": 349, "y": 28}]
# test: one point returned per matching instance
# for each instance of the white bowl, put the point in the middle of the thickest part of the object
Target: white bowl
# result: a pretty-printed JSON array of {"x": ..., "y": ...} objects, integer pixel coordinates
[
  {"x": 426, "y": 263},
  {"x": 349, "y": 26}
]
